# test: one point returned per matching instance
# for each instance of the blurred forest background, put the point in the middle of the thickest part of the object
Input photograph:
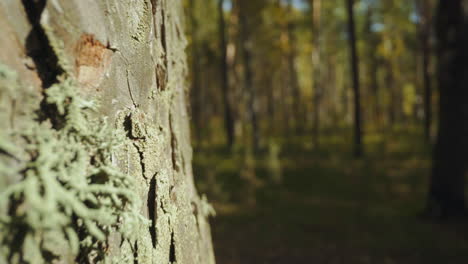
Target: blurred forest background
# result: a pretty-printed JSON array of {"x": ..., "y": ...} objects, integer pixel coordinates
[{"x": 316, "y": 133}]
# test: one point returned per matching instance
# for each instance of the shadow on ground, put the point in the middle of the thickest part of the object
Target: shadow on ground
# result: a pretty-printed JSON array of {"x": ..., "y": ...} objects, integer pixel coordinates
[{"x": 330, "y": 208}]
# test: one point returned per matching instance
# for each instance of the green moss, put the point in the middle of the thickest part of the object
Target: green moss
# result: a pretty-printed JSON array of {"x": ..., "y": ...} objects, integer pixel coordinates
[{"x": 70, "y": 197}]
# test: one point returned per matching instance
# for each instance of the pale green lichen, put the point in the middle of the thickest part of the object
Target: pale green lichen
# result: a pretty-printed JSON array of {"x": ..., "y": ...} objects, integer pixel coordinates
[
  {"x": 206, "y": 208},
  {"x": 8, "y": 150},
  {"x": 70, "y": 197}
]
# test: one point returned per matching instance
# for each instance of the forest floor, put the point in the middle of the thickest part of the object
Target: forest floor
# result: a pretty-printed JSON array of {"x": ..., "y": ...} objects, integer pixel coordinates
[{"x": 330, "y": 208}]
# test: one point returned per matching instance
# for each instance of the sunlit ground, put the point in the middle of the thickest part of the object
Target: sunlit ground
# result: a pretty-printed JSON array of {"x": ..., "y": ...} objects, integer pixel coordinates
[{"x": 330, "y": 207}]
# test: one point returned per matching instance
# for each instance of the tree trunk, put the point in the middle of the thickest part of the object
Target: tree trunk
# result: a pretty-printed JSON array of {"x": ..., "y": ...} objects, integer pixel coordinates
[
  {"x": 373, "y": 67},
  {"x": 316, "y": 7},
  {"x": 392, "y": 93},
  {"x": 228, "y": 118},
  {"x": 425, "y": 33},
  {"x": 293, "y": 78},
  {"x": 95, "y": 145},
  {"x": 355, "y": 80},
  {"x": 248, "y": 76},
  {"x": 196, "y": 92},
  {"x": 446, "y": 193}
]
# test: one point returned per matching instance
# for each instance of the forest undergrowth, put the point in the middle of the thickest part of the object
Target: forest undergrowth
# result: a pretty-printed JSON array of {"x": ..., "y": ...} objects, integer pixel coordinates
[{"x": 329, "y": 206}]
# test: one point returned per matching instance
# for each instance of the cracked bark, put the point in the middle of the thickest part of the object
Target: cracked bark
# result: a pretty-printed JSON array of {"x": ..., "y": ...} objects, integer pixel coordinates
[{"x": 141, "y": 90}]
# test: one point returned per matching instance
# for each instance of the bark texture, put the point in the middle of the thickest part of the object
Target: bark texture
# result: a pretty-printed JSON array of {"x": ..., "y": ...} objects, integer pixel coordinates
[{"x": 95, "y": 151}]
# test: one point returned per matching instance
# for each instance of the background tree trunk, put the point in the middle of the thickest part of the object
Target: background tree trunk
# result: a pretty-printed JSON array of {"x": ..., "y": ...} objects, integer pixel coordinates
[
  {"x": 128, "y": 58},
  {"x": 373, "y": 67},
  {"x": 355, "y": 80},
  {"x": 196, "y": 93},
  {"x": 425, "y": 26},
  {"x": 392, "y": 90},
  {"x": 248, "y": 76},
  {"x": 316, "y": 6},
  {"x": 293, "y": 77},
  {"x": 446, "y": 193},
  {"x": 228, "y": 118}
]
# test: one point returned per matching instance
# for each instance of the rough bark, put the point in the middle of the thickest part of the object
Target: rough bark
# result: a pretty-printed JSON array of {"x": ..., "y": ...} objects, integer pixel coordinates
[
  {"x": 96, "y": 143},
  {"x": 447, "y": 194}
]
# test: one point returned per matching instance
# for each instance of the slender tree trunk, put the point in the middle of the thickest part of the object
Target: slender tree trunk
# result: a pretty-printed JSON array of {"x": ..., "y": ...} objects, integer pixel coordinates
[
  {"x": 95, "y": 140},
  {"x": 293, "y": 79},
  {"x": 447, "y": 192},
  {"x": 355, "y": 80},
  {"x": 271, "y": 102},
  {"x": 391, "y": 87},
  {"x": 373, "y": 67},
  {"x": 425, "y": 33},
  {"x": 248, "y": 76},
  {"x": 332, "y": 91},
  {"x": 228, "y": 118},
  {"x": 196, "y": 92},
  {"x": 316, "y": 6}
]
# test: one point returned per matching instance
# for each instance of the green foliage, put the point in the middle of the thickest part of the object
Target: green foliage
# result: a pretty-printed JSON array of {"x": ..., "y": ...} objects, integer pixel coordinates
[
  {"x": 281, "y": 41},
  {"x": 70, "y": 197},
  {"x": 409, "y": 99}
]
